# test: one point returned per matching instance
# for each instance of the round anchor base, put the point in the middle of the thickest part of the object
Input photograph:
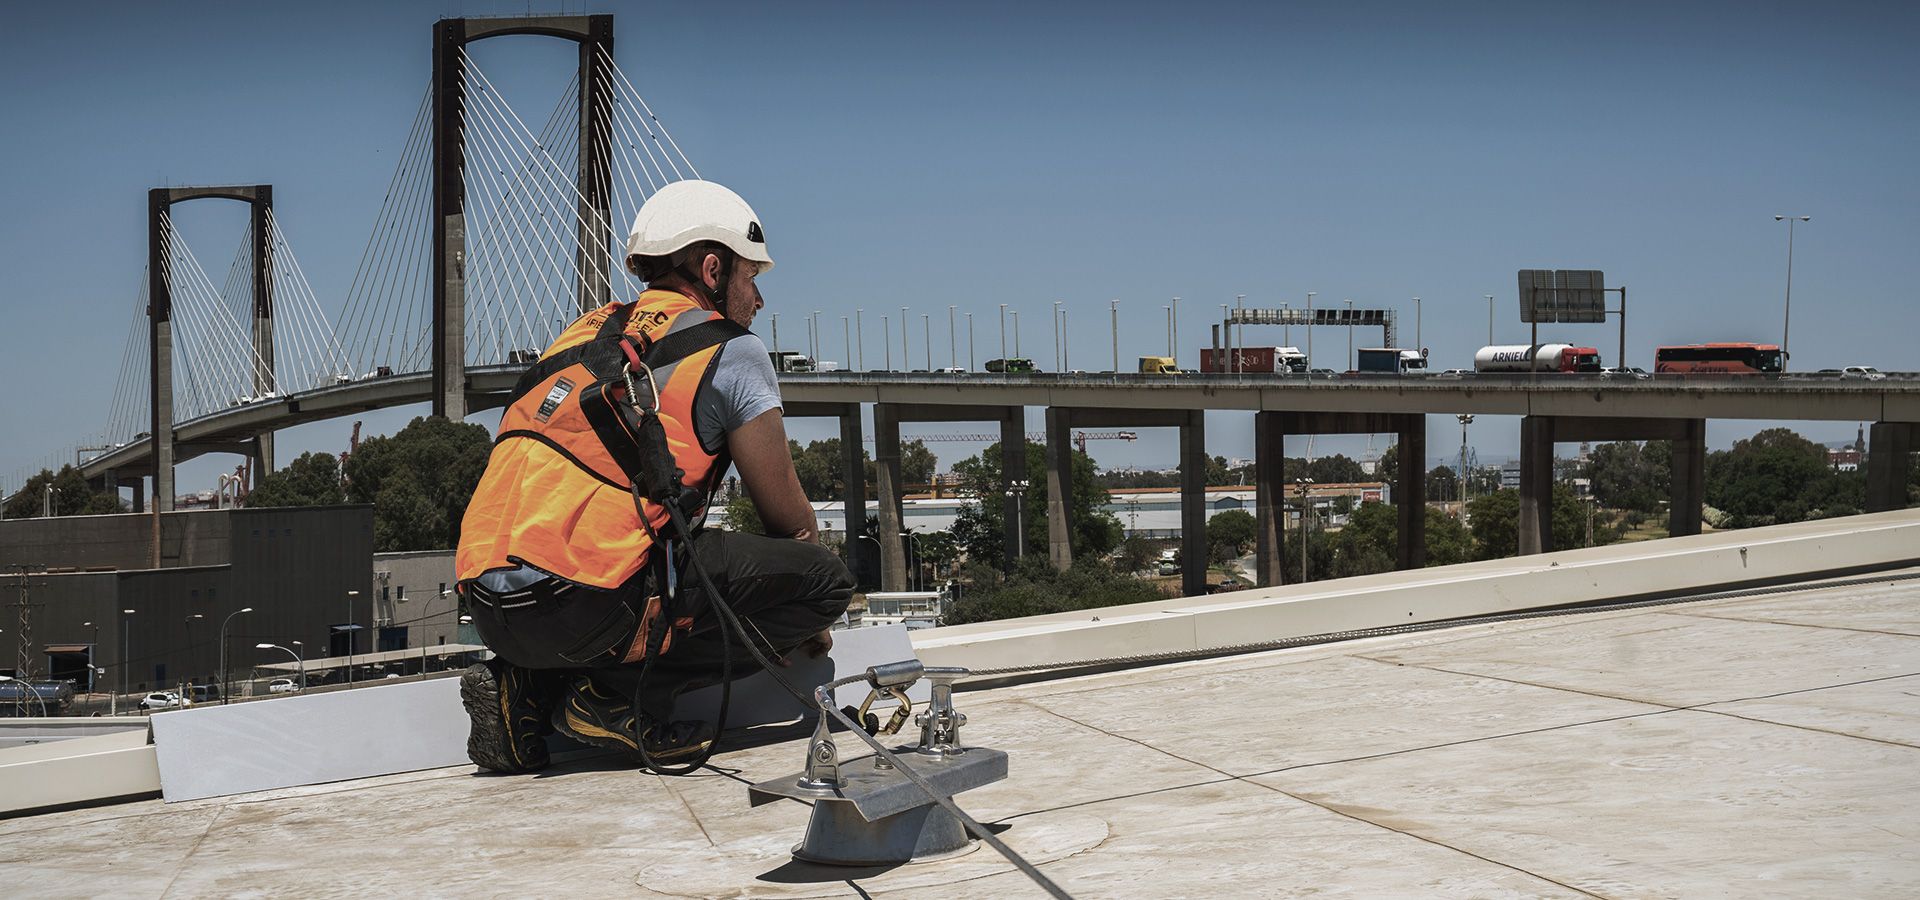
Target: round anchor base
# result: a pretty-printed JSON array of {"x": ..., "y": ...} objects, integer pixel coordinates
[{"x": 838, "y": 836}]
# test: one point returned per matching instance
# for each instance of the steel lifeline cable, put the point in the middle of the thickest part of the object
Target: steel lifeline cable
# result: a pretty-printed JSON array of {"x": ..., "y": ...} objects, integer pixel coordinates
[{"x": 662, "y": 485}]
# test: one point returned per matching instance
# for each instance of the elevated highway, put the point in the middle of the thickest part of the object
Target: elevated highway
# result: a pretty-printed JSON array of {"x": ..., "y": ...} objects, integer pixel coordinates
[{"x": 1553, "y": 408}]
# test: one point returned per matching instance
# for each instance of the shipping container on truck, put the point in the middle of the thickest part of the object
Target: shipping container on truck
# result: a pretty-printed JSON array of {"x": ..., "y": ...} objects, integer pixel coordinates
[
  {"x": 1563, "y": 358},
  {"x": 1254, "y": 360},
  {"x": 1390, "y": 361},
  {"x": 1014, "y": 366}
]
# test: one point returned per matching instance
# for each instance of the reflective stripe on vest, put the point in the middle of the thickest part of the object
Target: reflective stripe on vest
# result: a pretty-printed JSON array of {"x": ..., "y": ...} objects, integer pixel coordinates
[{"x": 555, "y": 495}]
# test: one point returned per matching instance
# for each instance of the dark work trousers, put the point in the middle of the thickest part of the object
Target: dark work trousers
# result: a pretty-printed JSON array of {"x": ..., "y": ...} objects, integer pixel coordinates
[{"x": 784, "y": 592}]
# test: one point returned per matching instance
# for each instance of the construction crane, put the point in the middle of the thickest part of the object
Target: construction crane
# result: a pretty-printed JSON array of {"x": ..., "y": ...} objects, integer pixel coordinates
[
  {"x": 353, "y": 446},
  {"x": 1080, "y": 438}
]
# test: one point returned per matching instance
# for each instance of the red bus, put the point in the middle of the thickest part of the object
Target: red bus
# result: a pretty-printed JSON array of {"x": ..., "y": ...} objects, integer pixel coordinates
[{"x": 1719, "y": 359}]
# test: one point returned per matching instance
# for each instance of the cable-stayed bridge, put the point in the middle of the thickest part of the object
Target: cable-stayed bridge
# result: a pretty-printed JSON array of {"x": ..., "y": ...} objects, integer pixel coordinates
[{"x": 500, "y": 225}]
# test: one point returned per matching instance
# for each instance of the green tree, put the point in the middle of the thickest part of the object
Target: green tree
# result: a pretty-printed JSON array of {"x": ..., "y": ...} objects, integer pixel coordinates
[
  {"x": 1442, "y": 484},
  {"x": 741, "y": 515},
  {"x": 979, "y": 529},
  {"x": 1134, "y": 554},
  {"x": 1228, "y": 535},
  {"x": 71, "y": 496},
  {"x": 419, "y": 481},
  {"x": 1036, "y": 588},
  {"x": 312, "y": 479},
  {"x": 1369, "y": 543},
  {"x": 1496, "y": 523},
  {"x": 1627, "y": 475},
  {"x": 918, "y": 465},
  {"x": 1448, "y": 541},
  {"x": 1335, "y": 469},
  {"x": 1777, "y": 476},
  {"x": 1387, "y": 469}
]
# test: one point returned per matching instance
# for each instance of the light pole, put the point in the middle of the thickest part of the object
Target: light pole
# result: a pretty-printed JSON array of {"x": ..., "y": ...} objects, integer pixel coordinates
[
  {"x": 1787, "y": 324},
  {"x": 298, "y": 663},
  {"x": 886, "y": 340},
  {"x": 1017, "y": 489},
  {"x": 93, "y": 651},
  {"x": 1169, "y": 311},
  {"x": 1465, "y": 420},
  {"x": 953, "y": 341},
  {"x": 1310, "y": 359},
  {"x": 1417, "y": 343},
  {"x": 1286, "y": 327},
  {"x": 846, "y": 339},
  {"x": 1349, "y": 303},
  {"x": 223, "y": 650},
  {"x": 906, "y": 359},
  {"x": 1003, "y": 331},
  {"x": 1226, "y": 336},
  {"x": 113, "y": 706},
  {"x": 1016, "y": 333},
  {"x": 819, "y": 341},
  {"x": 1066, "y": 358},
  {"x": 1489, "y": 320},
  {"x": 189, "y": 623},
  {"x": 970, "y": 354},
  {"x": 860, "y": 332},
  {"x": 1306, "y": 509},
  {"x": 1240, "y": 332},
  {"x": 1058, "y": 365},
  {"x": 349, "y": 630},
  {"x": 1115, "y": 308},
  {"x": 1173, "y": 333},
  {"x": 926, "y": 337}
]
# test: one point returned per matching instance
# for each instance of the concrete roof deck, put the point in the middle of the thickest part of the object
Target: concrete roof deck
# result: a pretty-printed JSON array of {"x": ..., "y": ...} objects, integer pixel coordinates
[{"x": 1753, "y": 746}]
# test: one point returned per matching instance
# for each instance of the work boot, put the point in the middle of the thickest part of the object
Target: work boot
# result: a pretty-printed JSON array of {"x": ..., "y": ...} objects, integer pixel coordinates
[
  {"x": 508, "y": 707},
  {"x": 597, "y": 717}
]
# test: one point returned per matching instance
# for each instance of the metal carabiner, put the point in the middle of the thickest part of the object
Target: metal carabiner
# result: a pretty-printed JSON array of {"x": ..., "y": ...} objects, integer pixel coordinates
[{"x": 633, "y": 390}]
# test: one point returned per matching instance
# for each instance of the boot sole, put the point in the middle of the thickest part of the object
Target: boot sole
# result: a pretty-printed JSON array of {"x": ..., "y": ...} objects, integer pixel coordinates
[{"x": 488, "y": 744}]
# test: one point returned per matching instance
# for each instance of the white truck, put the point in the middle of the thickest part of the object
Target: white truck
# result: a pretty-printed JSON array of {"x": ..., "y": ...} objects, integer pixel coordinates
[{"x": 1564, "y": 358}]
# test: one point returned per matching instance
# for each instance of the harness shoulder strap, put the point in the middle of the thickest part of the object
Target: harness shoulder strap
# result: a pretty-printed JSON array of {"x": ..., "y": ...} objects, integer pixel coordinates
[
  {"x": 589, "y": 351},
  {"x": 686, "y": 342}
]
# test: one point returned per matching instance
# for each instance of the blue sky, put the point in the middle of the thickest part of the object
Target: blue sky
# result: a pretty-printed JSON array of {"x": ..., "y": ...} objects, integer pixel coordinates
[{"x": 978, "y": 154}]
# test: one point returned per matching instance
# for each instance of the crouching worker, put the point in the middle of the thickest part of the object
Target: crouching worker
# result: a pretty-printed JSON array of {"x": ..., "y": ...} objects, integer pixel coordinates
[{"x": 564, "y": 579}]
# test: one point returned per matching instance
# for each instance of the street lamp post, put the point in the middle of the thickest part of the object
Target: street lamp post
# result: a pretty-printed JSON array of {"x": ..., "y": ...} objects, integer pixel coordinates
[
  {"x": 846, "y": 339},
  {"x": 860, "y": 332},
  {"x": 1115, "y": 309},
  {"x": 1003, "y": 331},
  {"x": 113, "y": 706},
  {"x": 1173, "y": 333},
  {"x": 1349, "y": 334},
  {"x": 1058, "y": 364},
  {"x": 1310, "y": 359},
  {"x": 953, "y": 340},
  {"x": 1169, "y": 311},
  {"x": 1417, "y": 343},
  {"x": 886, "y": 340},
  {"x": 93, "y": 662},
  {"x": 1306, "y": 509},
  {"x": 970, "y": 354},
  {"x": 926, "y": 337},
  {"x": 1017, "y": 489},
  {"x": 1489, "y": 320},
  {"x": 298, "y": 662},
  {"x": 906, "y": 359},
  {"x": 1016, "y": 332},
  {"x": 349, "y": 631},
  {"x": 189, "y": 623},
  {"x": 1787, "y": 324},
  {"x": 1465, "y": 420},
  {"x": 1286, "y": 327},
  {"x": 819, "y": 341},
  {"x": 223, "y": 651}
]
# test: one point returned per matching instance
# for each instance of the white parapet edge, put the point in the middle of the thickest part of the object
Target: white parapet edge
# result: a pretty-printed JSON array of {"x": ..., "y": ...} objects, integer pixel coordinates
[
  {"x": 77, "y": 771},
  {"x": 1674, "y": 566}
]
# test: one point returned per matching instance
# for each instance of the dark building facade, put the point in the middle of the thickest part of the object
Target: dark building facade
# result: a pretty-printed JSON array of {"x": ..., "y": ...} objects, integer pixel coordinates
[{"x": 294, "y": 568}]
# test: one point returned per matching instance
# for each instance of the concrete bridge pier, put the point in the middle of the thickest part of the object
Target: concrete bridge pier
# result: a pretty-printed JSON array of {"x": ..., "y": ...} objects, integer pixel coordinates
[
  {"x": 1538, "y": 434},
  {"x": 853, "y": 471},
  {"x": 1061, "y": 421},
  {"x": 1889, "y": 460},
  {"x": 890, "y": 487},
  {"x": 1270, "y": 431}
]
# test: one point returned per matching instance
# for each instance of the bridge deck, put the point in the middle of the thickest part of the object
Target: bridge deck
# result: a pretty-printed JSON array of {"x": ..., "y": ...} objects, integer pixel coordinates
[
  {"x": 1762, "y": 745},
  {"x": 1785, "y": 398}
]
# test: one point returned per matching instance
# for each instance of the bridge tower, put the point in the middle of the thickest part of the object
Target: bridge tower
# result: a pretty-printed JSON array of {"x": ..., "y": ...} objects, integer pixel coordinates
[
  {"x": 160, "y": 322},
  {"x": 594, "y": 34}
]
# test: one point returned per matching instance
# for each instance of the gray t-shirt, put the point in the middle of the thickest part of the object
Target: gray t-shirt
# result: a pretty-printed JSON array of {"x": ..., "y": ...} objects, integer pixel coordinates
[{"x": 744, "y": 386}]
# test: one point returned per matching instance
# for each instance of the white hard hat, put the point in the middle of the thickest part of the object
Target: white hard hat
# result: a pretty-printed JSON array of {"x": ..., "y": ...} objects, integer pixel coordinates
[{"x": 687, "y": 212}]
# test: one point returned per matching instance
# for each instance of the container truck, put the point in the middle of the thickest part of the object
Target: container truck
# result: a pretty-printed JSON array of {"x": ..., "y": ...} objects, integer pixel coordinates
[
  {"x": 1014, "y": 366},
  {"x": 1564, "y": 358},
  {"x": 791, "y": 361},
  {"x": 1254, "y": 360},
  {"x": 1391, "y": 361}
]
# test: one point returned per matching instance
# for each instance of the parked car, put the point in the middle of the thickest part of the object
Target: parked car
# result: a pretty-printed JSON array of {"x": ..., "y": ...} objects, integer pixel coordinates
[
  {"x": 1631, "y": 373},
  {"x": 282, "y": 686},
  {"x": 164, "y": 700},
  {"x": 1453, "y": 373}
]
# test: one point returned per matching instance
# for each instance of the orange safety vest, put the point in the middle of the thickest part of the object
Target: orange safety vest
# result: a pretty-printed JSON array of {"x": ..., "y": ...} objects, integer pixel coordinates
[{"x": 557, "y": 493}]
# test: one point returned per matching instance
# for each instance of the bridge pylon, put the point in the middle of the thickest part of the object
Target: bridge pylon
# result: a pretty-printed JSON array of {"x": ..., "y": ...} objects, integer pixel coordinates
[
  {"x": 160, "y": 321},
  {"x": 594, "y": 181}
]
